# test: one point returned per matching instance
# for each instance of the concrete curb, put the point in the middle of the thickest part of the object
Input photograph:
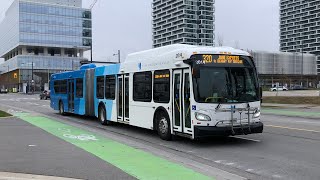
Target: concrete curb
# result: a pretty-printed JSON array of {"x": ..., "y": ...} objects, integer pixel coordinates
[{"x": 18, "y": 176}]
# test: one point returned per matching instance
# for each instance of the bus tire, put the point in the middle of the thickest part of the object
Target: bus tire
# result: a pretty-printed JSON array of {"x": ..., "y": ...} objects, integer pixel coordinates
[
  {"x": 163, "y": 126},
  {"x": 61, "y": 108},
  {"x": 102, "y": 116}
]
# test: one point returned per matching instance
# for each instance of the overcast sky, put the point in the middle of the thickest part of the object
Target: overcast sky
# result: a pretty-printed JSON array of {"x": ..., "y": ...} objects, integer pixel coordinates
[{"x": 127, "y": 25}]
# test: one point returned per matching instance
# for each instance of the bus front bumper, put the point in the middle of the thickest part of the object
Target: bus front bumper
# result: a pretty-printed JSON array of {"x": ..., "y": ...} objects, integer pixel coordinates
[{"x": 209, "y": 131}]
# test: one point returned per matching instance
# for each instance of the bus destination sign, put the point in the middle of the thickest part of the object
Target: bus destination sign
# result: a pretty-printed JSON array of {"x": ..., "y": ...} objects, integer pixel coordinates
[{"x": 219, "y": 59}]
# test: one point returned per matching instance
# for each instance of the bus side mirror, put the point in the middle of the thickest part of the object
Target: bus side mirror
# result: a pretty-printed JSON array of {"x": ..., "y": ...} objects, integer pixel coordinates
[
  {"x": 260, "y": 91},
  {"x": 196, "y": 72}
]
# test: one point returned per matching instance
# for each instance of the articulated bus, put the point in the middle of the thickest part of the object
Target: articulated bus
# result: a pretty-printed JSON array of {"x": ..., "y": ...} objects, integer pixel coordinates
[{"x": 182, "y": 90}]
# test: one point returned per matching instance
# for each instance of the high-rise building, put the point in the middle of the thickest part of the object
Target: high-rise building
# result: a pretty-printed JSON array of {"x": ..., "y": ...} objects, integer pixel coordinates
[
  {"x": 183, "y": 21},
  {"x": 300, "y": 27},
  {"x": 42, "y": 37}
]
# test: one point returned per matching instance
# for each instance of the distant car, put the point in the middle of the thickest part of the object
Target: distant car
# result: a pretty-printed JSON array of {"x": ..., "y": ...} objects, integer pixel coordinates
[
  {"x": 280, "y": 88},
  {"x": 45, "y": 94},
  {"x": 298, "y": 87},
  {"x": 3, "y": 91}
]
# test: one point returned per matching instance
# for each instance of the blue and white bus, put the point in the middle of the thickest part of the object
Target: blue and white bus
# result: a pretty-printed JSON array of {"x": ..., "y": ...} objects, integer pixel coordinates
[
  {"x": 182, "y": 90},
  {"x": 71, "y": 91}
]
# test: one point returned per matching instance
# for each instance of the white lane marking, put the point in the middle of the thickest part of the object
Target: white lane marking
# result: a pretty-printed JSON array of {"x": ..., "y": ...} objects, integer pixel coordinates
[
  {"x": 11, "y": 111},
  {"x": 276, "y": 176},
  {"x": 290, "y": 128},
  {"x": 248, "y": 139},
  {"x": 33, "y": 104},
  {"x": 81, "y": 137},
  {"x": 66, "y": 130},
  {"x": 229, "y": 164},
  {"x": 32, "y": 145},
  {"x": 18, "y": 176}
]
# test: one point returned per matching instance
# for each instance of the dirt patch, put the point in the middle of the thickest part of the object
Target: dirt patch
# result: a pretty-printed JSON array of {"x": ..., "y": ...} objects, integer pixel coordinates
[{"x": 291, "y": 100}]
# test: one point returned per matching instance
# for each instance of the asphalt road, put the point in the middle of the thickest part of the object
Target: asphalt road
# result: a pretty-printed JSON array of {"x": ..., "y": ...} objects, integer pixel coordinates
[
  {"x": 288, "y": 148},
  {"x": 27, "y": 149}
]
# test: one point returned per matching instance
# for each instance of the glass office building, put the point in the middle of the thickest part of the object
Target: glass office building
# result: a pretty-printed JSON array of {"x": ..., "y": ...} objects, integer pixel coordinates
[{"x": 39, "y": 38}]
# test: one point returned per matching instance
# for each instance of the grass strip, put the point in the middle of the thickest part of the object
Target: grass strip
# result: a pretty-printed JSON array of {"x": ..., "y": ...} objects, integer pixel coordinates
[
  {"x": 4, "y": 114},
  {"x": 292, "y": 100}
]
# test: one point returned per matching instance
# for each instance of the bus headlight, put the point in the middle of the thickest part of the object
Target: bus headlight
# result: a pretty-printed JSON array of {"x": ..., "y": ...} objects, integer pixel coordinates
[
  {"x": 256, "y": 113},
  {"x": 202, "y": 117}
]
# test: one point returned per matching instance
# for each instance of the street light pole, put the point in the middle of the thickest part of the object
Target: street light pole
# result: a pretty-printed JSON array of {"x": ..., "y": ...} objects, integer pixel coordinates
[
  {"x": 91, "y": 7},
  {"x": 8, "y": 75},
  {"x": 91, "y": 50},
  {"x": 32, "y": 71},
  {"x": 32, "y": 80},
  {"x": 301, "y": 61}
]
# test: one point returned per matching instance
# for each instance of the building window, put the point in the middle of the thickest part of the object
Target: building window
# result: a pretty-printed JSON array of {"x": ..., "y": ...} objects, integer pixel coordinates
[
  {"x": 161, "y": 87},
  {"x": 100, "y": 87},
  {"x": 86, "y": 14},
  {"x": 86, "y": 24},
  {"x": 87, "y": 42},
  {"x": 142, "y": 86},
  {"x": 79, "y": 88},
  {"x": 86, "y": 33},
  {"x": 110, "y": 87}
]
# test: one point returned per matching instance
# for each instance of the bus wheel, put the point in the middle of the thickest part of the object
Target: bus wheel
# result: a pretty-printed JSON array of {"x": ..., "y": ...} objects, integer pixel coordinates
[
  {"x": 164, "y": 126},
  {"x": 102, "y": 116},
  {"x": 61, "y": 109}
]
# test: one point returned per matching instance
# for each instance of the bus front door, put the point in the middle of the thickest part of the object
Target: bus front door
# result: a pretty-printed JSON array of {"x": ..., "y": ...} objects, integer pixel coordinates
[
  {"x": 181, "y": 101},
  {"x": 123, "y": 98},
  {"x": 71, "y": 95}
]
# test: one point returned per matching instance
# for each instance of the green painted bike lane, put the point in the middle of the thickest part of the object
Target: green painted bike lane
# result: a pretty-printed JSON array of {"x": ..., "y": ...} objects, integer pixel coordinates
[
  {"x": 295, "y": 113},
  {"x": 135, "y": 162}
]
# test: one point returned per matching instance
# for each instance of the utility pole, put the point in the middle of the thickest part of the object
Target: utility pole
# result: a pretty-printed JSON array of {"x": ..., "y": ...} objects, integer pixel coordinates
[{"x": 119, "y": 58}]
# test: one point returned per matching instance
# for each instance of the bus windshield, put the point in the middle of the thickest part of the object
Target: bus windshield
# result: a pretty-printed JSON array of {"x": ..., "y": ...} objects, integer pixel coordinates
[{"x": 225, "y": 85}]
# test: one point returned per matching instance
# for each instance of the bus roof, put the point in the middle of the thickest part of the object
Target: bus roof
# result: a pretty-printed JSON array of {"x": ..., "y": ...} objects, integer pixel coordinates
[
  {"x": 181, "y": 52},
  {"x": 68, "y": 75}
]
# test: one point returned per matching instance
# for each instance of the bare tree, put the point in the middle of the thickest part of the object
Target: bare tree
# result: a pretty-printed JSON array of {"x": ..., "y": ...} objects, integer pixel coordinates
[
  {"x": 220, "y": 40},
  {"x": 237, "y": 44}
]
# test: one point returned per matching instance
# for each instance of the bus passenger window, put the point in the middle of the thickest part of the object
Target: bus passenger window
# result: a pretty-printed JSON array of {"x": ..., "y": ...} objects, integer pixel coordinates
[
  {"x": 100, "y": 87},
  {"x": 161, "y": 87},
  {"x": 142, "y": 86},
  {"x": 79, "y": 88},
  {"x": 60, "y": 87},
  {"x": 56, "y": 87},
  {"x": 110, "y": 87},
  {"x": 63, "y": 87}
]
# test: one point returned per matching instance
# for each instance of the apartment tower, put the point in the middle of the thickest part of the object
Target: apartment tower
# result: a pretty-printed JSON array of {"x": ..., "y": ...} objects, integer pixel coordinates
[
  {"x": 184, "y": 22},
  {"x": 300, "y": 27}
]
